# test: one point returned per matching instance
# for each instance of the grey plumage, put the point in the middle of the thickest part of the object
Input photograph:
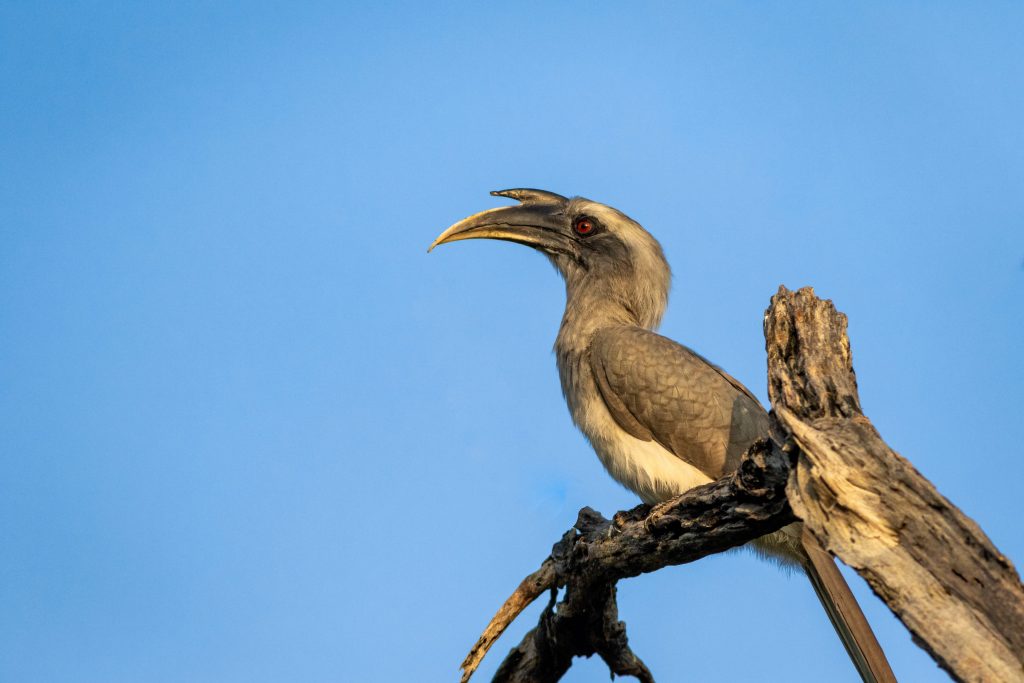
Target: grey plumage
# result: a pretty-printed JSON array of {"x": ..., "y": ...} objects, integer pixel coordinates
[
  {"x": 661, "y": 418},
  {"x": 658, "y": 389}
]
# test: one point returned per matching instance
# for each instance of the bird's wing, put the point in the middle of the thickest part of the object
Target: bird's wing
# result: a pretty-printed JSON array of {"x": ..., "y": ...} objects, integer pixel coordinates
[{"x": 658, "y": 389}]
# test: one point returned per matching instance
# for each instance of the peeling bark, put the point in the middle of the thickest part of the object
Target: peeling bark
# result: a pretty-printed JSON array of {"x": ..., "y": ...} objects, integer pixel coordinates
[{"x": 936, "y": 570}]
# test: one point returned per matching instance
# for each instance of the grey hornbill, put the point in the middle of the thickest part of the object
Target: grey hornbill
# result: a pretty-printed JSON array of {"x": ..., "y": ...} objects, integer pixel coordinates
[{"x": 662, "y": 418}]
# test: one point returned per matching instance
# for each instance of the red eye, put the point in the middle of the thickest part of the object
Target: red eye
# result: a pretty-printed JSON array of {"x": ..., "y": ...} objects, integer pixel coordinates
[{"x": 583, "y": 226}]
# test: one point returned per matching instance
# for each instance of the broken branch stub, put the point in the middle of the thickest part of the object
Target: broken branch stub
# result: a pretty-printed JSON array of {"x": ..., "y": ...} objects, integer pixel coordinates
[{"x": 961, "y": 599}]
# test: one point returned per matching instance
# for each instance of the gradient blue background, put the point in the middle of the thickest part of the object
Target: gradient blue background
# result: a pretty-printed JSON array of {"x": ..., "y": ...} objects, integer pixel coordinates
[{"x": 250, "y": 431}]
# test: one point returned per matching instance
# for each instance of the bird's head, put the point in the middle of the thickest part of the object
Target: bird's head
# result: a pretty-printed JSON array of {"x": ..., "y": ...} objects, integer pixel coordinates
[{"x": 605, "y": 257}]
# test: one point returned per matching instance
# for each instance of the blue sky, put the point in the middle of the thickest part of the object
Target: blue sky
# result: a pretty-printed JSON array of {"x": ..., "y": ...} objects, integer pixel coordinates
[{"x": 250, "y": 431}]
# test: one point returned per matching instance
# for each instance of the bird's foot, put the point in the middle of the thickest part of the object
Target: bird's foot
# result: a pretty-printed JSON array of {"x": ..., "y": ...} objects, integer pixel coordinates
[{"x": 652, "y": 519}]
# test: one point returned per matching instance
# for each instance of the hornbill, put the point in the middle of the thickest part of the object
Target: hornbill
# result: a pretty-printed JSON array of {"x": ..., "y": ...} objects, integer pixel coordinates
[{"x": 661, "y": 417}]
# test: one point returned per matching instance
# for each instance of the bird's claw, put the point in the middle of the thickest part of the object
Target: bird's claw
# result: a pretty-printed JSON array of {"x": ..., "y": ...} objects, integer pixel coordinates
[{"x": 652, "y": 519}]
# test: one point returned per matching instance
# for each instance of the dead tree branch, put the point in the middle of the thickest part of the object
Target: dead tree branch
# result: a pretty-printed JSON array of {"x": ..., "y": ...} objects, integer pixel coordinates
[
  {"x": 938, "y": 572},
  {"x": 596, "y": 553}
]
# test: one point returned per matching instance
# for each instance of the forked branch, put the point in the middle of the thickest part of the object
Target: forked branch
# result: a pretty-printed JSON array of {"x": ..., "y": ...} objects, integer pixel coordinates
[
  {"x": 936, "y": 570},
  {"x": 593, "y": 555}
]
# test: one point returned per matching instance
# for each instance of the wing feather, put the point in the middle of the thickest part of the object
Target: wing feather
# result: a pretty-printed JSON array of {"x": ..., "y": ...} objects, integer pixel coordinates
[{"x": 656, "y": 388}]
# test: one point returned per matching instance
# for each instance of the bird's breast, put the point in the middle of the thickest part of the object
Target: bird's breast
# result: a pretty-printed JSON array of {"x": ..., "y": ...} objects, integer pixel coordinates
[{"x": 646, "y": 468}]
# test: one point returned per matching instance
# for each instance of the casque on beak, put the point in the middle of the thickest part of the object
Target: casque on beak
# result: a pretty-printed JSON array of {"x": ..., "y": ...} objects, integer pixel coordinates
[{"x": 539, "y": 222}]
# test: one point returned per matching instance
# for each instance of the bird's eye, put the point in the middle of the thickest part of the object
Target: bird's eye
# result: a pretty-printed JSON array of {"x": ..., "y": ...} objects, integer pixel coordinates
[{"x": 583, "y": 226}]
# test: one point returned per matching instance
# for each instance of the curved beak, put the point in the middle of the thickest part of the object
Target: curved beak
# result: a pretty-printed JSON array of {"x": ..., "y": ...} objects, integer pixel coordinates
[{"x": 540, "y": 225}]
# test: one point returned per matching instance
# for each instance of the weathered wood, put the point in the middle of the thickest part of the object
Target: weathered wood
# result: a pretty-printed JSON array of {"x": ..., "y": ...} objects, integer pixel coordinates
[
  {"x": 586, "y": 622},
  {"x": 529, "y": 590},
  {"x": 593, "y": 555},
  {"x": 960, "y": 598}
]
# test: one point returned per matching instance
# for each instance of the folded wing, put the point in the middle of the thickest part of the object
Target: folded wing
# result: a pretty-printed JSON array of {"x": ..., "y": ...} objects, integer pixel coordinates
[{"x": 658, "y": 389}]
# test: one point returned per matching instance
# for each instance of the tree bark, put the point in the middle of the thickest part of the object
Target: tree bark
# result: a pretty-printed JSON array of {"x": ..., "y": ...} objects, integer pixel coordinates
[
  {"x": 936, "y": 570},
  {"x": 962, "y": 601},
  {"x": 593, "y": 555}
]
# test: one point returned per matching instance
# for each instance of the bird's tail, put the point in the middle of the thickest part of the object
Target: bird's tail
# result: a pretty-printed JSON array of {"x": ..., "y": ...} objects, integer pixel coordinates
[{"x": 844, "y": 613}]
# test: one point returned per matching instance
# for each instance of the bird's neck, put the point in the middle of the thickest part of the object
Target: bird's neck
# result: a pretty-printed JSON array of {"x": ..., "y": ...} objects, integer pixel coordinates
[{"x": 593, "y": 304}]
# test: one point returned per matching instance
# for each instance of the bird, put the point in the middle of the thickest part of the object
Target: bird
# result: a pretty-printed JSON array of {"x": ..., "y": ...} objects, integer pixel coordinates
[{"x": 661, "y": 417}]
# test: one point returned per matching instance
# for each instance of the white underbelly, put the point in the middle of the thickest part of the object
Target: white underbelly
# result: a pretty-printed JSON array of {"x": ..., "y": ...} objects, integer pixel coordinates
[
  {"x": 655, "y": 474},
  {"x": 646, "y": 468}
]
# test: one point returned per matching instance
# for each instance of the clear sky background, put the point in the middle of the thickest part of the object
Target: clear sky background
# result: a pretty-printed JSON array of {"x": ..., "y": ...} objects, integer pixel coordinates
[{"x": 251, "y": 431}]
